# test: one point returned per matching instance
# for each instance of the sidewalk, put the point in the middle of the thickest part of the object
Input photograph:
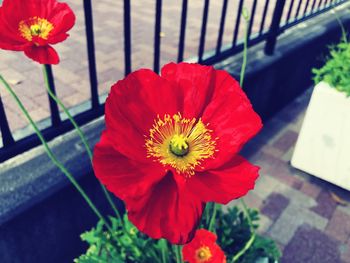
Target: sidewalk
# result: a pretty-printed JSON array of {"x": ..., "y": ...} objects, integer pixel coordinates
[{"x": 298, "y": 210}]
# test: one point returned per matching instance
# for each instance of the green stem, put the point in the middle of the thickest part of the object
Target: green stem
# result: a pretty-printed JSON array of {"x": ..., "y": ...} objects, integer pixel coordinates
[
  {"x": 345, "y": 39},
  {"x": 164, "y": 250},
  {"x": 80, "y": 133},
  {"x": 251, "y": 240},
  {"x": 213, "y": 218},
  {"x": 52, "y": 156},
  {"x": 246, "y": 247},
  {"x": 252, "y": 231},
  {"x": 178, "y": 253},
  {"x": 245, "y": 49}
]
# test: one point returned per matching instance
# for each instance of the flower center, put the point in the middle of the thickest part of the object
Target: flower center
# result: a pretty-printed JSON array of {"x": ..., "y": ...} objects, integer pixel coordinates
[
  {"x": 180, "y": 143},
  {"x": 35, "y": 27},
  {"x": 35, "y": 30},
  {"x": 203, "y": 254}
]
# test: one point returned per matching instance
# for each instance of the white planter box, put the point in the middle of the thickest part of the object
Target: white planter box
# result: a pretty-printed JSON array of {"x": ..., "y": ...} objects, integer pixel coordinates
[{"x": 323, "y": 145}]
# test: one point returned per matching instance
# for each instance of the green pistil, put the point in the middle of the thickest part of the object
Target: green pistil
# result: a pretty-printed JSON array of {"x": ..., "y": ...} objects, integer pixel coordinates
[{"x": 178, "y": 145}]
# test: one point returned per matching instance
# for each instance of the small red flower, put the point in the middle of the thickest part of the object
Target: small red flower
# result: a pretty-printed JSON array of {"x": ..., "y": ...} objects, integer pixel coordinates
[
  {"x": 171, "y": 145},
  {"x": 33, "y": 26},
  {"x": 203, "y": 249}
]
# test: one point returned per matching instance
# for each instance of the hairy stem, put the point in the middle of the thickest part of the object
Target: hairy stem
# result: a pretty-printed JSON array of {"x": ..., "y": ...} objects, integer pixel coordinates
[
  {"x": 251, "y": 240},
  {"x": 52, "y": 156},
  {"x": 80, "y": 133},
  {"x": 213, "y": 218}
]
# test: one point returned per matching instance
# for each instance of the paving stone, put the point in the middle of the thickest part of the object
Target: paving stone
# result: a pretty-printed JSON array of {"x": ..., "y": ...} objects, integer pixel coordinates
[
  {"x": 339, "y": 226},
  {"x": 285, "y": 173},
  {"x": 267, "y": 184},
  {"x": 265, "y": 160},
  {"x": 325, "y": 205},
  {"x": 286, "y": 141},
  {"x": 292, "y": 218},
  {"x": 345, "y": 209},
  {"x": 252, "y": 200},
  {"x": 310, "y": 189},
  {"x": 310, "y": 245},
  {"x": 269, "y": 149},
  {"x": 274, "y": 205},
  {"x": 345, "y": 252}
]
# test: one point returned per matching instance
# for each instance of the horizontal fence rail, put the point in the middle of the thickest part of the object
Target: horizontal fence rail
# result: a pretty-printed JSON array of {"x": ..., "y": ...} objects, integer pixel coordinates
[{"x": 282, "y": 13}]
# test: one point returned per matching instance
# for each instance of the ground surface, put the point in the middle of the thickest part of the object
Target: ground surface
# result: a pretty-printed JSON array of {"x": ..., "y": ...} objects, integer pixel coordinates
[{"x": 299, "y": 211}]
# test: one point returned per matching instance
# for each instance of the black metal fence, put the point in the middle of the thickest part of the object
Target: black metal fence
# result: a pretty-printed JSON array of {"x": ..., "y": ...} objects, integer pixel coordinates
[{"x": 286, "y": 13}]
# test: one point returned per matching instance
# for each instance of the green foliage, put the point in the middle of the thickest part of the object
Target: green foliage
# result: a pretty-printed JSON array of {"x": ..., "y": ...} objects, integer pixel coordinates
[
  {"x": 336, "y": 70},
  {"x": 233, "y": 233},
  {"x": 129, "y": 245}
]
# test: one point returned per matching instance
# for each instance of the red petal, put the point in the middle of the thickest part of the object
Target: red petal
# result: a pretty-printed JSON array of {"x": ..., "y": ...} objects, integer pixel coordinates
[
  {"x": 126, "y": 137},
  {"x": 9, "y": 36},
  {"x": 168, "y": 211},
  {"x": 138, "y": 99},
  {"x": 57, "y": 38},
  {"x": 121, "y": 175},
  {"x": 59, "y": 14},
  {"x": 194, "y": 83},
  {"x": 231, "y": 117},
  {"x": 203, "y": 234},
  {"x": 42, "y": 54},
  {"x": 63, "y": 19},
  {"x": 18, "y": 10},
  {"x": 203, "y": 238},
  {"x": 226, "y": 183}
]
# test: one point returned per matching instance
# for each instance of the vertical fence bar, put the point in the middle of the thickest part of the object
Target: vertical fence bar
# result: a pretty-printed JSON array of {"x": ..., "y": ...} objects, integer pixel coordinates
[
  {"x": 319, "y": 5},
  {"x": 251, "y": 22},
  {"x": 238, "y": 21},
  {"x": 313, "y": 6},
  {"x": 157, "y": 35},
  {"x": 264, "y": 17},
  {"x": 203, "y": 31},
  {"x": 298, "y": 9},
  {"x": 180, "y": 56},
  {"x": 290, "y": 11},
  {"x": 222, "y": 26},
  {"x": 7, "y": 138},
  {"x": 127, "y": 37},
  {"x": 306, "y": 6},
  {"x": 91, "y": 52},
  {"x": 274, "y": 28},
  {"x": 55, "y": 114}
]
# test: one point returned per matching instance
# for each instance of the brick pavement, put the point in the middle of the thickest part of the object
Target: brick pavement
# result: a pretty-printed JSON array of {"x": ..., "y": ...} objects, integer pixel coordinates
[
  {"x": 298, "y": 210},
  {"x": 71, "y": 75}
]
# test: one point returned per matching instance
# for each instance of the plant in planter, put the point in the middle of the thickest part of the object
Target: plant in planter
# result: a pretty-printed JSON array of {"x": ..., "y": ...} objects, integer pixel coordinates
[
  {"x": 232, "y": 234},
  {"x": 322, "y": 148}
]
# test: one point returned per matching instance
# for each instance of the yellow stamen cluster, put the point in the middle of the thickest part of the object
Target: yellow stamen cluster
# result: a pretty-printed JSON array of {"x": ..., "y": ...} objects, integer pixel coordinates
[
  {"x": 35, "y": 27},
  {"x": 180, "y": 143},
  {"x": 203, "y": 254}
]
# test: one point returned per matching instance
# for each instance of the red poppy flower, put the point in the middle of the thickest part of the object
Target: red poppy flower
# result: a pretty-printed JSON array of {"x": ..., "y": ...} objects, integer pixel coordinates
[
  {"x": 203, "y": 249},
  {"x": 171, "y": 145},
  {"x": 33, "y": 25}
]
